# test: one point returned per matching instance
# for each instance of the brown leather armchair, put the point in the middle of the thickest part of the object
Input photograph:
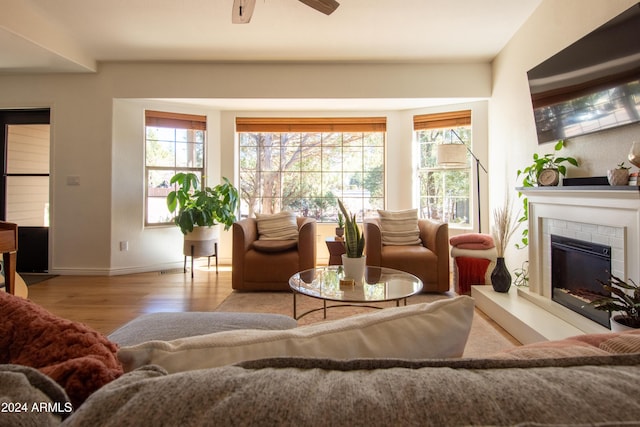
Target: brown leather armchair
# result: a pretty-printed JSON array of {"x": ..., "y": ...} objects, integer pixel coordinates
[
  {"x": 428, "y": 261},
  {"x": 269, "y": 269}
]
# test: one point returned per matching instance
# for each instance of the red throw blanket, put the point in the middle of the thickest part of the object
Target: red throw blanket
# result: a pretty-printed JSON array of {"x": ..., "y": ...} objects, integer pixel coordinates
[
  {"x": 472, "y": 241},
  {"x": 471, "y": 271},
  {"x": 77, "y": 357}
]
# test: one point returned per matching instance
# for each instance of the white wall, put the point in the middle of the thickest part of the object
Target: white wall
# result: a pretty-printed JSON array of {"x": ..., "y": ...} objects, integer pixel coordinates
[
  {"x": 553, "y": 26},
  {"x": 97, "y": 135}
]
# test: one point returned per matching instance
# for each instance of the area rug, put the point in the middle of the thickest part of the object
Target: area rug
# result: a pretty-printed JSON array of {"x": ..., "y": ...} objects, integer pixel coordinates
[
  {"x": 486, "y": 337},
  {"x": 33, "y": 278}
]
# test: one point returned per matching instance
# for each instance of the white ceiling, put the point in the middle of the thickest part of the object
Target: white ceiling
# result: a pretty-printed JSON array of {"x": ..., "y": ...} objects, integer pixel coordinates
[{"x": 76, "y": 35}]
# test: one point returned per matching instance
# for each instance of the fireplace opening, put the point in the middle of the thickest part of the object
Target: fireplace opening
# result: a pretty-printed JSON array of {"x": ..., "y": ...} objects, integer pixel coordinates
[{"x": 576, "y": 267}]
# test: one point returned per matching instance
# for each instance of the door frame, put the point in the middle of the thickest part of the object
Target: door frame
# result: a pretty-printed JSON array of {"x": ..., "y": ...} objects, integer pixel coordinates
[{"x": 26, "y": 116}]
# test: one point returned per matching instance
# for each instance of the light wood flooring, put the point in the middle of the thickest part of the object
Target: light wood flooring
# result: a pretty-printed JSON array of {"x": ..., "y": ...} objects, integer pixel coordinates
[{"x": 107, "y": 302}]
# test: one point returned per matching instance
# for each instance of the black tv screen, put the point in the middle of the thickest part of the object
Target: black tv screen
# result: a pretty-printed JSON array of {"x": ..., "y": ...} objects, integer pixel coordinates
[{"x": 592, "y": 85}]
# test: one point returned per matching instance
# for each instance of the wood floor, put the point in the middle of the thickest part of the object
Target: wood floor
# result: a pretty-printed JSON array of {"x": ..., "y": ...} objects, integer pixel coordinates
[{"x": 105, "y": 303}]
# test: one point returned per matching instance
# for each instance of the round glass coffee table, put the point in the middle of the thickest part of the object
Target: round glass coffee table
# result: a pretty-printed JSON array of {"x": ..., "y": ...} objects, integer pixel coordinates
[{"x": 379, "y": 284}]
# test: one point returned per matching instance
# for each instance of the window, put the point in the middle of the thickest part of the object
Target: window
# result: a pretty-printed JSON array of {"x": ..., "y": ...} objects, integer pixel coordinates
[
  {"x": 174, "y": 143},
  {"x": 304, "y": 165},
  {"x": 444, "y": 192}
]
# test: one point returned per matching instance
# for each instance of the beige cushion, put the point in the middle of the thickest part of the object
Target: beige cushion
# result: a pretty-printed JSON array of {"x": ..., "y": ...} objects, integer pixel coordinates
[
  {"x": 280, "y": 226},
  {"x": 430, "y": 330},
  {"x": 399, "y": 227}
]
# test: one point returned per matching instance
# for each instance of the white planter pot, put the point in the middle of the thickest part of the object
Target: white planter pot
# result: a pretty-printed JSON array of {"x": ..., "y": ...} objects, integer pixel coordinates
[
  {"x": 354, "y": 267},
  {"x": 618, "y": 176},
  {"x": 619, "y": 327},
  {"x": 202, "y": 240}
]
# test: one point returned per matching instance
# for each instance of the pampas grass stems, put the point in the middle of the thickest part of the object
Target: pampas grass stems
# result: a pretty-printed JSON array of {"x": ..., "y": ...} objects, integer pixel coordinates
[{"x": 504, "y": 225}]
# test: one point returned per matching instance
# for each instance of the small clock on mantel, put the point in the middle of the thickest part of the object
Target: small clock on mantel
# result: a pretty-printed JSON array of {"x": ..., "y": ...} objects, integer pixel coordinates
[{"x": 548, "y": 177}]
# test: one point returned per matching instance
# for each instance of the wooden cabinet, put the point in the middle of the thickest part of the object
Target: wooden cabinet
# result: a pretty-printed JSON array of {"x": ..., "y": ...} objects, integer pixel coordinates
[{"x": 9, "y": 248}]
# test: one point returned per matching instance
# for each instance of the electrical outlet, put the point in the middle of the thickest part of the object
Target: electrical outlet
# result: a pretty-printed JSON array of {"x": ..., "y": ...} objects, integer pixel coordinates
[
  {"x": 124, "y": 245},
  {"x": 73, "y": 180}
]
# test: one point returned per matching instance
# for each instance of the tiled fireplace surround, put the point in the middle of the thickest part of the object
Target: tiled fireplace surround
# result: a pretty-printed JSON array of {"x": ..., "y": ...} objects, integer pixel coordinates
[{"x": 604, "y": 215}]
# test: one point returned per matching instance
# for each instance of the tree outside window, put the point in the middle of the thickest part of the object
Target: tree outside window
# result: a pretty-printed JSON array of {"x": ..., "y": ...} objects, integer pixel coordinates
[
  {"x": 444, "y": 192},
  {"x": 173, "y": 143},
  {"x": 306, "y": 172}
]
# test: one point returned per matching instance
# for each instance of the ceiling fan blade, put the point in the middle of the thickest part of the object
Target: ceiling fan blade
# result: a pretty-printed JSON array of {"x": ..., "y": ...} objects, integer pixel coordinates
[
  {"x": 242, "y": 11},
  {"x": 325, "y": 6}
]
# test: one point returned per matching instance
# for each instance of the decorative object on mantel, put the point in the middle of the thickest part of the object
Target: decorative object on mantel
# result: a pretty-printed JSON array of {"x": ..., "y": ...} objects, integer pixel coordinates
[
  {"x": 634, "y": 154},
  {"x": 541, "y": 166},
  {"x": 353, "y": 260},
  {"x": 619, "y": 175},
  {"x": 584, "y": 181},
  {"x": 544, "y": 171},
  {"x": 503, "y": 228},
  {"x": 623, "y": 304}
]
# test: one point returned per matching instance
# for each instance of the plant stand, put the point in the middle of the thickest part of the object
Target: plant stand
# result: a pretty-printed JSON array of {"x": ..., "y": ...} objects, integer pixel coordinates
[{"x": 194, "y": 252}]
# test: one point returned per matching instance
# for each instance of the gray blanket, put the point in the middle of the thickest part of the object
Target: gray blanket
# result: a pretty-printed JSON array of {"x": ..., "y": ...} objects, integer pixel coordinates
[
  {"x": 30, "y": 398},
  {"x": 296, "y": 392}
]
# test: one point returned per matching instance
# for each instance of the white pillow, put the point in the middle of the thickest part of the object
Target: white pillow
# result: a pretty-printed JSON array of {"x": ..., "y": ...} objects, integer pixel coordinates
[
  {"x": 429, "y": 330},
  {"x": 280, "y": 226},
  {"x": 399, "y": 227}
]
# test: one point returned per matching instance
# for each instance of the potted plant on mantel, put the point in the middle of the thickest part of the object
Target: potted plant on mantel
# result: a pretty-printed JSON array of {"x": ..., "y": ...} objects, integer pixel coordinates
[
  {"x": 623, "y": 304},
  {"x": 199, "y": 210},
  {"x": 544, "y": 171},
  {"x": 353, "y": 259},
  {"x": 619, "y": 175}
]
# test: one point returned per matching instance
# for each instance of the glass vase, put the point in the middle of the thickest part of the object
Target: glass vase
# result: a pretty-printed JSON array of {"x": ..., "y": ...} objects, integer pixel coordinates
[{"x": 634, "y": 154}]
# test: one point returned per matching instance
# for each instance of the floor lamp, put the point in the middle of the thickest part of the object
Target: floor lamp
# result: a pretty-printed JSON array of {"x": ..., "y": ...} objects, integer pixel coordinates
[{"x": 455, "y": 155}]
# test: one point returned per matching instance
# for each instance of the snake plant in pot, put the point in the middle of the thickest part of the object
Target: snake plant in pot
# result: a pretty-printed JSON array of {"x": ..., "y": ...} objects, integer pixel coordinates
[
  {"x": 353, "y": 260},
  {"x": 199, "y": 209}
]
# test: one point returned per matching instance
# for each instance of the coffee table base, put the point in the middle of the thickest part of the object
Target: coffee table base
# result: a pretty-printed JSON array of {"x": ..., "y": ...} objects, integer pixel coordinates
[{"x": 325, "y": 306}]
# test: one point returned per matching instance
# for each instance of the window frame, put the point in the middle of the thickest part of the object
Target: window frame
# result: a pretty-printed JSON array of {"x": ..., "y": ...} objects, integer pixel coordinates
[
  {"x": 446, "y": 121},
  {"x": 321, "y": 128},
  {"x": 175, "y": 121}
]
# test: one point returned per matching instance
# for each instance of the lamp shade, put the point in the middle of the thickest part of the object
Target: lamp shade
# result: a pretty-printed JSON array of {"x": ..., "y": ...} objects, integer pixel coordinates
[{"x": 451, "y": 154}]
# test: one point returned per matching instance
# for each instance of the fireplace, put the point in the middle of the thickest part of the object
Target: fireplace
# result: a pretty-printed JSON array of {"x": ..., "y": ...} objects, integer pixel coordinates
[
  {"x": 602, "y": 215},
  {"x": 577, "y": 266}
]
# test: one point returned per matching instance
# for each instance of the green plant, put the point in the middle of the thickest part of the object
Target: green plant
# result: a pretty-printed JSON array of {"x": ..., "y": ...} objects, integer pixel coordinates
[
  {"x": 622, "y": 166},
  {"x": 547, "y": 161},
  {"x": 620, "y": 300},
  {"x": 522, "y": 275},
  {"x": 201, "y": 207},
  {"x": 340, "y": 220},
  {"x": 530, "y": 176},
  {"x": 353, "y": 237}
]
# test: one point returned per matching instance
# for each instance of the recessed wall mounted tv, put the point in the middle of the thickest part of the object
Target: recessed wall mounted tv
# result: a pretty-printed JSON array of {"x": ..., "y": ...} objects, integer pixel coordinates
[{"x": 592, "y": 85}]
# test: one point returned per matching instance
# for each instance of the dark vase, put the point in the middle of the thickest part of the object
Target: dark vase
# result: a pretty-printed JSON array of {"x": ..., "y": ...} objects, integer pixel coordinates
[{"x": 500, "y": 277}]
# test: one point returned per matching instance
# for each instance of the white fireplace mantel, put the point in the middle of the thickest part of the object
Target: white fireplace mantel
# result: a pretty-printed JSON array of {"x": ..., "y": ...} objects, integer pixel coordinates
[
  {"x": 600, "y": 214},
  {"x": 610, "y": 208}
]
